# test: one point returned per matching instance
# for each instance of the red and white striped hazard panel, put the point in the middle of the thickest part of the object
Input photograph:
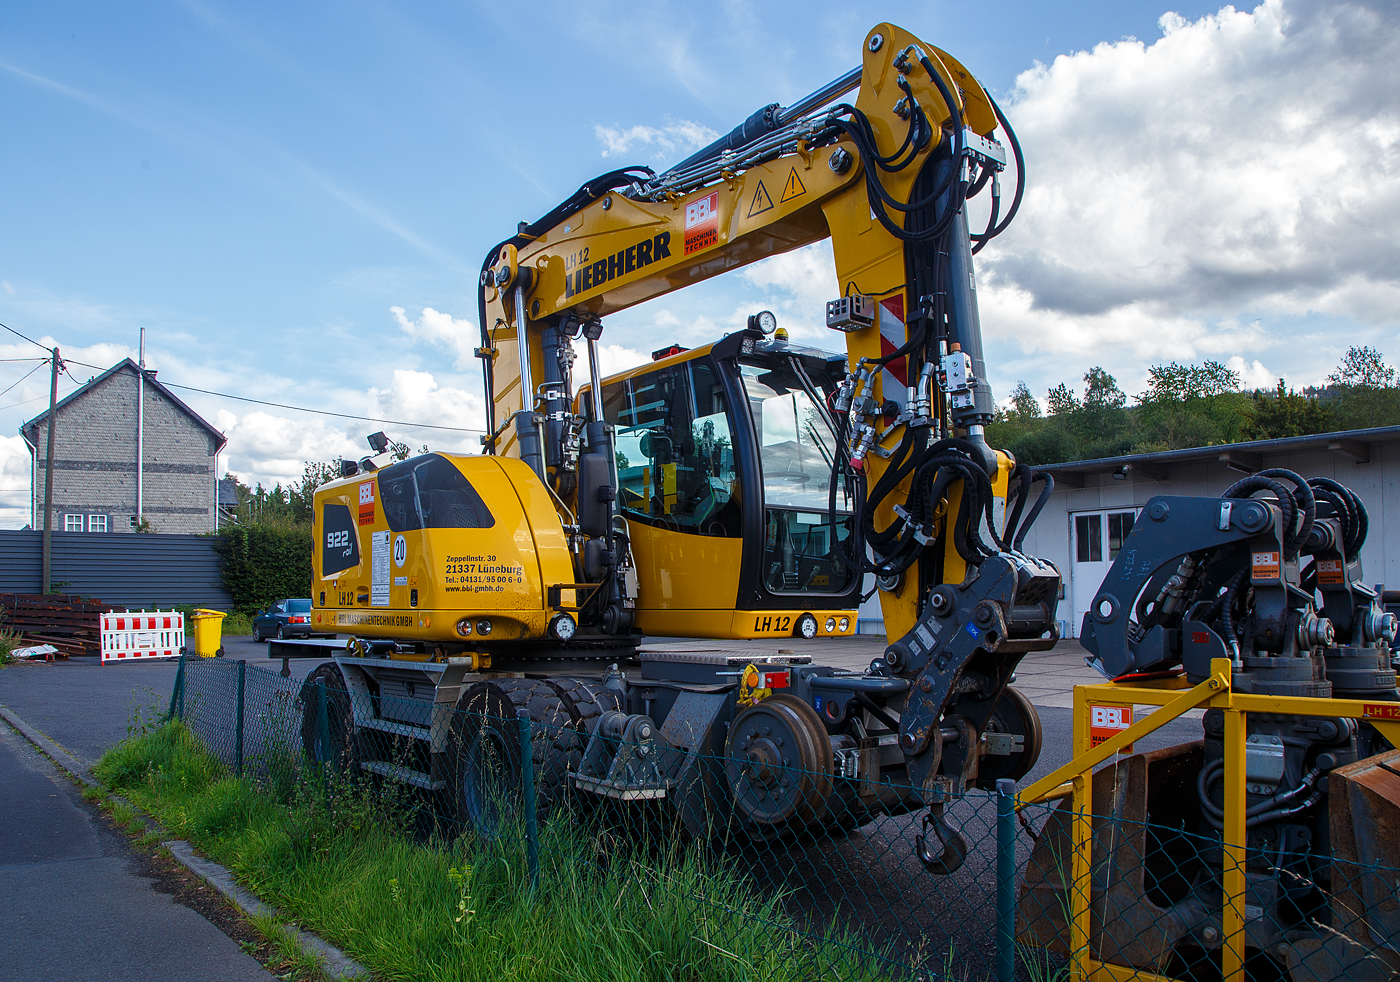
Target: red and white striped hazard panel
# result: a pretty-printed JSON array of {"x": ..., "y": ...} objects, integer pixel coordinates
[
  {"x": 130, "y": 635},
  {"x": 894, "y": 377}
]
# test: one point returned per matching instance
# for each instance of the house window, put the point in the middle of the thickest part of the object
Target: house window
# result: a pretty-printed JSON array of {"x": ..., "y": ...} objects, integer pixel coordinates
[
  {"x": 97, "y": 523},
  {"x": 72, "y": 523}
]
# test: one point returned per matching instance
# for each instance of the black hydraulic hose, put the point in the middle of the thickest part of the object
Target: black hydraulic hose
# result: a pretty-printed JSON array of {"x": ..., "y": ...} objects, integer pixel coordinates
[
  {"x": 1021, "y": 473},
  {"x": 1268, "y": 810},
  {"x": 1348, "y": 504},
  {"x": 1020, "y": 179},
  {"x": 1307, "y": 504},
  {"x": 1040, "y": 503},
  {"x": 1246, "y": 487}
]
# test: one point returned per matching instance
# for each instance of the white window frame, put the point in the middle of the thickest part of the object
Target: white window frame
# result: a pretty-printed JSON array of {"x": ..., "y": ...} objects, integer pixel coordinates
[
  {"x": 68, "y": 521},
  {"x": 97, "y": 523}
]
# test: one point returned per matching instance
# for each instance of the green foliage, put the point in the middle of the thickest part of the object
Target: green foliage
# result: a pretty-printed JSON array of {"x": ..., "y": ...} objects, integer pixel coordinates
[
  {"x": 290, "y": 504},
  {"x": 341, "y": 861},
  {"x": 1365, "y": 366},
  {"x": 265, "y": 561},
  {"x": 1284, "y": 413},
  {"x": 1192, "y": 406}
]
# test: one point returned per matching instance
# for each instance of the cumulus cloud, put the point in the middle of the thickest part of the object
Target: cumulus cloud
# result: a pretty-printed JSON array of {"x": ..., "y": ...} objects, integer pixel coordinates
[
  {"x": 14, "y": 482},
  {"x": 270, "y": 447},
  {"x": 459, "y": 334},
  {"x": 678, "y": 135},
  {"x": 1245, "y": 160}
]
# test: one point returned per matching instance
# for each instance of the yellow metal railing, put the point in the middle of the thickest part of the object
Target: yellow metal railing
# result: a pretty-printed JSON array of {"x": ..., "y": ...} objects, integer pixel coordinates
[{"x": 1074, "y": 781}]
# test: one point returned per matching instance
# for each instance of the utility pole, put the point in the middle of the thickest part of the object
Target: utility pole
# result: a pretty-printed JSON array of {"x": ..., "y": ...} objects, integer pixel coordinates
[
  {"x": 56, "y": 365},
  {"x": 141, "y": 431}
]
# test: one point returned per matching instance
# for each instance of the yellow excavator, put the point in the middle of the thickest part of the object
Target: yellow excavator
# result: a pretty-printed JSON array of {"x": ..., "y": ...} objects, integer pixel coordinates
[
  {"x": 749, "y": 488},
  {"x": 753, "y": 487}
]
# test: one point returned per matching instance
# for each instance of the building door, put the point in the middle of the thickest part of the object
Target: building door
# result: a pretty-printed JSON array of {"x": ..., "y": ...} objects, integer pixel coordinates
[{"x": 1096, "y": 537}]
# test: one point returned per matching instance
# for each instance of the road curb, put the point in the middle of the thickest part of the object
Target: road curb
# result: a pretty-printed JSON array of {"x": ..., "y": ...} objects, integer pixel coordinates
[{"x": 338, "y": 965}]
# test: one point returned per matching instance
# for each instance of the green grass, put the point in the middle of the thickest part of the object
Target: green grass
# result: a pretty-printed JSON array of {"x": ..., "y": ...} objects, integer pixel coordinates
[
  {"x": 237, "y": 624},
  {"x": 9, "y": 641},
  {"x": 332, "y": 859}
]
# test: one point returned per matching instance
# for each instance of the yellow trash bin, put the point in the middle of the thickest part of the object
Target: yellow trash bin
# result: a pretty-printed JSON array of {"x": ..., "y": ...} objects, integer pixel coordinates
[{"x": 208, "y": 632}]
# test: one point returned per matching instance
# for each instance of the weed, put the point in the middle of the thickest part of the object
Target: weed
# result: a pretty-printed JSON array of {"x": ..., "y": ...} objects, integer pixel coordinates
[
  {"x": 9, "y": 641},
  {"x": 296, "y": 961},
  {"x": 338, "y": 856}
]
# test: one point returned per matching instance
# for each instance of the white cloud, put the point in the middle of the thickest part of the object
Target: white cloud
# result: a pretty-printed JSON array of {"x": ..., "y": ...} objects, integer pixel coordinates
[
  {"x": 612, "y": 358},
  {"x": 676, "y": 136},
  {"x": 461, "y": 335},
  {"x": 14, "y": 482},
  {"x": 1246, "y": 160},
  {"x": 5, "y": 285},
  {"x": 1253, "y": 375}
]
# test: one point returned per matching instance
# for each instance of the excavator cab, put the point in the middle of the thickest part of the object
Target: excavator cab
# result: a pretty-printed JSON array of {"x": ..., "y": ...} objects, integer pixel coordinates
[{"x": 724, "y": 475}]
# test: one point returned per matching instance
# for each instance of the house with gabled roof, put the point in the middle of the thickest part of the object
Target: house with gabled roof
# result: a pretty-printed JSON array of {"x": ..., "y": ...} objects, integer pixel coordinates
[{"x": 100, "y": 481}]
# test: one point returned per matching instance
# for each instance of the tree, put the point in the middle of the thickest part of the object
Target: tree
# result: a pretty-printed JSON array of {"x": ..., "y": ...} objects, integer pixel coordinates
[
  {"x": 1191, "y": 406},
  {"x": 1061, "y": 400},
  {"x": 1181, "y": 383},
  {"x": 1101, "y": 391},
  {"x": 1284, "y": 412},
  {"x": 1363, "y": 366},
  {"x": 1023, "y": 404}
]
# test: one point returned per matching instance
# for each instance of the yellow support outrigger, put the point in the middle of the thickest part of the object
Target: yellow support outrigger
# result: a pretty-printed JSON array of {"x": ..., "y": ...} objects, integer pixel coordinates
[{"x": 1071, "y": 784}]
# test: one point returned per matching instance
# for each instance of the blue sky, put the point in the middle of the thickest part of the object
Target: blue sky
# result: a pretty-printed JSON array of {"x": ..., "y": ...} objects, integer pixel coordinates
[{"x": 294, "y": 199}]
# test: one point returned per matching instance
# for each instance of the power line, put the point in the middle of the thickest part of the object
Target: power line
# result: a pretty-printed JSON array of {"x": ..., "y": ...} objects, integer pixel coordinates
[
  {"x": 22, "y": 359},
  {"x": 23, "y": 377},
  {"x": 300, "y": 409},
  {"x": 25, "y": 336}
]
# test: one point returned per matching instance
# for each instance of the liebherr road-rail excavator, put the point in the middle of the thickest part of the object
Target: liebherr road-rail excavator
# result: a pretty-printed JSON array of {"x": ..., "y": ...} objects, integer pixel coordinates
[{"x": 749, "y": 488}]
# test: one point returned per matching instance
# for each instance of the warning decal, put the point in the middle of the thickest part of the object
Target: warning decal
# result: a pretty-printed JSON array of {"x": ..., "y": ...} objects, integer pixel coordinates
[
  {"x": 1106, "y": 722},
  {"x": 794, "y": 188},
  {"x": 702, "y": 223},
  {"x": 761, "y": 201}
]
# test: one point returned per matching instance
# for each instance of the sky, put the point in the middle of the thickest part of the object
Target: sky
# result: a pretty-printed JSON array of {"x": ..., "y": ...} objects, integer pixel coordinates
[{"x": 294, "y": 199}]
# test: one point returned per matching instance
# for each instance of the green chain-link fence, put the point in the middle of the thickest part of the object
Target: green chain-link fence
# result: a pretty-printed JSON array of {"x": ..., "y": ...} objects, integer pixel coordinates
[{"x": 838, "y": 888}]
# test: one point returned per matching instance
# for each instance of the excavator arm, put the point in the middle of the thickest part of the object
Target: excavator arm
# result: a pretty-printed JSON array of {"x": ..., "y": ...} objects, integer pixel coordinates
[{"x": 886, "y": 178}]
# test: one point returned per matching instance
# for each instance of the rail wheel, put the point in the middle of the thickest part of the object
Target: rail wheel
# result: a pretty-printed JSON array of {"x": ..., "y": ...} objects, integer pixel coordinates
[
  {"x": 483, "y": 750},
  {"x": 779, "y": 766},
  {"x": 334, "y": 747},
  {"x": 1013, "y": 715}
]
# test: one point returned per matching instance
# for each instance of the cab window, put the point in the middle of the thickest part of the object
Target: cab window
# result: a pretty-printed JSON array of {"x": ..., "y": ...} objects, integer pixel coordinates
[{"x": 675, "y": 449}]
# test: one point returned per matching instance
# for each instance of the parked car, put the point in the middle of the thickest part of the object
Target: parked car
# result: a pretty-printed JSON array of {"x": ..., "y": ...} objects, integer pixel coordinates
[{"x": 284, "y": 619}]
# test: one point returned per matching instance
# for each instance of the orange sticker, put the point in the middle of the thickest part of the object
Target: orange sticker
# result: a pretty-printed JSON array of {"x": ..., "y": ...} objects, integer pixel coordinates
[
  {"x": 1106, "y": 722},
  {"x": 702, "y": 223},
  {"x": 1265, "y": 565},
  {"x": 1330, "y": 571},
  {"x": 1381, "y": 710}
]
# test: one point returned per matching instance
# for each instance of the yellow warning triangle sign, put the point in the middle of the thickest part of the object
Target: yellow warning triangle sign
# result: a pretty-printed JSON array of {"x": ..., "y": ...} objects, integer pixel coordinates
[
  {"x": 793, "y": 188},
  {"x": 761, "y": 201}
]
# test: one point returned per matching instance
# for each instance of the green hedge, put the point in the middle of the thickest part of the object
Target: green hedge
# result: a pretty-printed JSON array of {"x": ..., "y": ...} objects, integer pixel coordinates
[{"x": 264, "y": 562}]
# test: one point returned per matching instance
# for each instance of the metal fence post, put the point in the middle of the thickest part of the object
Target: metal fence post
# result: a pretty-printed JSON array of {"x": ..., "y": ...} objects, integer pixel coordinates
[
  {"x": 323, "y": 726},
  {"x": 527, "y": 780},
  {"x": 1006, "y": 880},
  {"x": 177, "y": 694},
  {"x": 238, "y": 721}
]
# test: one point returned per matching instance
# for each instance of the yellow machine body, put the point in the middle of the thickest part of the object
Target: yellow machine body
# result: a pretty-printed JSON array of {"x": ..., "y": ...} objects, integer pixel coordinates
[{"x": 395, "y": 559}]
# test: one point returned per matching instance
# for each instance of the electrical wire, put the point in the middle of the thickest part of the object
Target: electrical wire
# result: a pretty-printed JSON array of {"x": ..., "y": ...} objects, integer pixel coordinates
[
  {"x": 25, "y": 336},
  {"x": 23, "y": 377},
  {"x": 301, "y": 409}
]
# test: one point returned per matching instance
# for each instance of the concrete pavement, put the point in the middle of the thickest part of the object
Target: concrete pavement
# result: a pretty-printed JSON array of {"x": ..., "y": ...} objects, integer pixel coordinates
[{"x": 76, "y": 905}]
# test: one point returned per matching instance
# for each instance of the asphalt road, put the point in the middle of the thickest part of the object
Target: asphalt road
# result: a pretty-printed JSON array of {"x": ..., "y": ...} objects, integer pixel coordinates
[{"x": 76, "y": 906}]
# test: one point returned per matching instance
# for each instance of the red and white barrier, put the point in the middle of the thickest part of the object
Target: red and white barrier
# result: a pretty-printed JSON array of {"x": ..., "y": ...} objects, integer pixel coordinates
[{"x": 130, "y": 635}]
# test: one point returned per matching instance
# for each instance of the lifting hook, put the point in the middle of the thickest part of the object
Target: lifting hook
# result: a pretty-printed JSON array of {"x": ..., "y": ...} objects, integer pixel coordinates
[{"x": 954, "y": 845}]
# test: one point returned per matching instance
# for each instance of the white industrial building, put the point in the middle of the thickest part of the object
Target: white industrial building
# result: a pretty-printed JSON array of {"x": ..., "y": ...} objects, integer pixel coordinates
[{"x": 1095, "y": 503}]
